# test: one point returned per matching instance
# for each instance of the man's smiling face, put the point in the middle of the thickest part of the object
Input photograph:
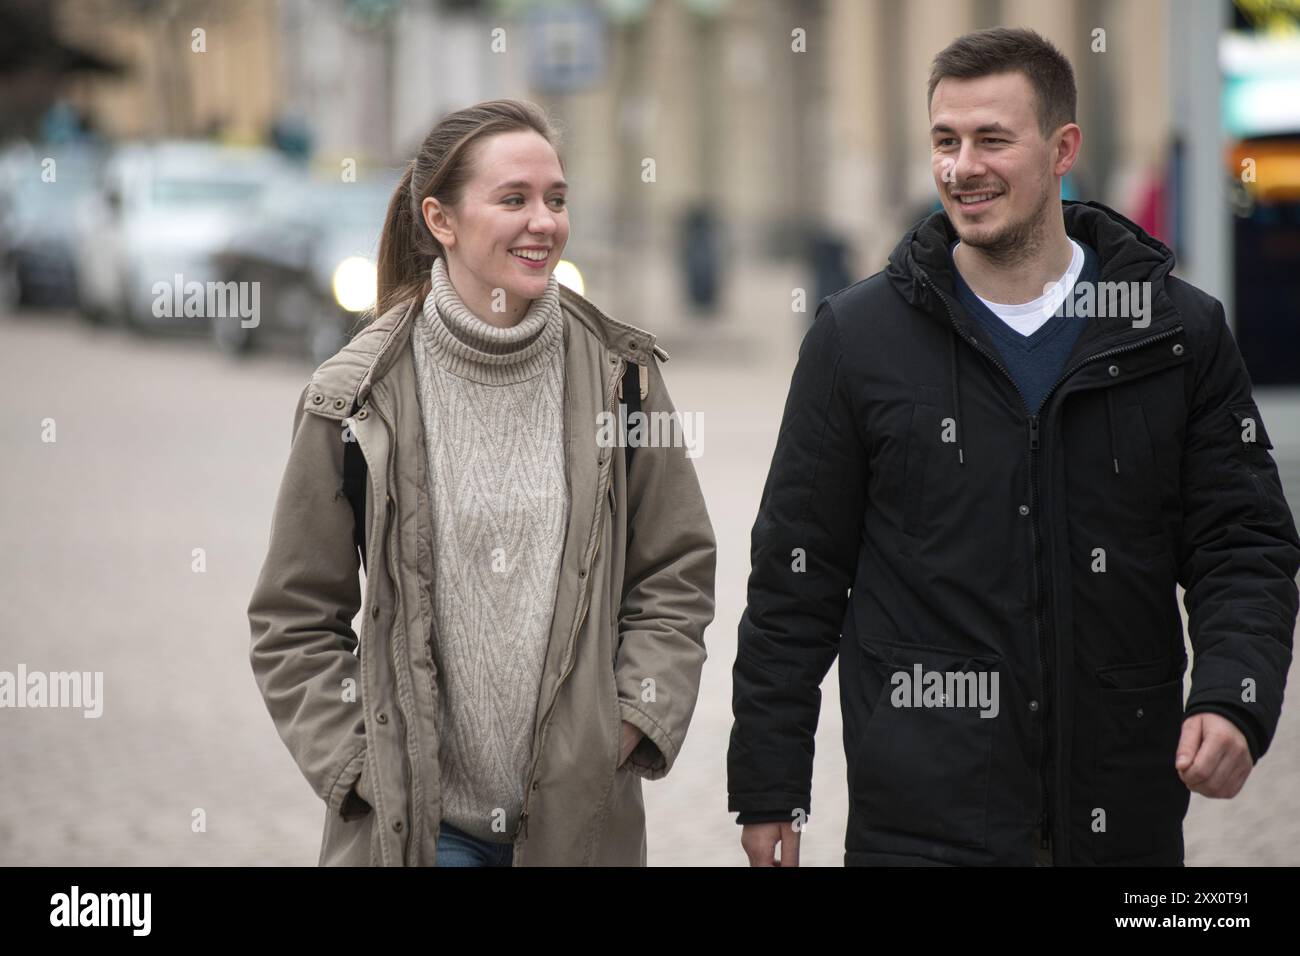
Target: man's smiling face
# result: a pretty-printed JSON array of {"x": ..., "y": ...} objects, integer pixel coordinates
[{"x": 992, "y": 166}]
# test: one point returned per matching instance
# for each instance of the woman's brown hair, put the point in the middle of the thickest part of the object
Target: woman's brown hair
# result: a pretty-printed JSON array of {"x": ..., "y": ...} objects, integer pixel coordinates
[{"x": 441, "y": 168}]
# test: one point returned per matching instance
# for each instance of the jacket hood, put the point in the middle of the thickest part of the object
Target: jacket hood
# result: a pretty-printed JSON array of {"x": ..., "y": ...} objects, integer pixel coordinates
[
  {"x": 1125, "y": 252},
  {"x": 342, "y": 383}
]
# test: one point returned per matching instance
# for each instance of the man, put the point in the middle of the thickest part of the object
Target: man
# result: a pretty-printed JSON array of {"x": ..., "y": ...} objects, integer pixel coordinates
[{"x": 992, "y": 472}]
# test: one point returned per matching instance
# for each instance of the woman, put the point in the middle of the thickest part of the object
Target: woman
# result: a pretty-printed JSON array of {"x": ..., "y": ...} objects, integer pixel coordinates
[{"x": 531, "y": 635}]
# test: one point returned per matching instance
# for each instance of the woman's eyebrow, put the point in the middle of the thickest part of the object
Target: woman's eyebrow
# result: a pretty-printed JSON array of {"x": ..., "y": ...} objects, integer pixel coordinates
[{"x": 523, "y": 184}]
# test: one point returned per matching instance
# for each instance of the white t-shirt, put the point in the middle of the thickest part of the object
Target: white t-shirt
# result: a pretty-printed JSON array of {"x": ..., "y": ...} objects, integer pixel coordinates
[{"x": 1028, "y": 317}]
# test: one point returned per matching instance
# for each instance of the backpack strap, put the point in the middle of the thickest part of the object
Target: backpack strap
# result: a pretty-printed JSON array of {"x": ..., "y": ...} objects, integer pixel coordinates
[{"x": 354, "y": 489}]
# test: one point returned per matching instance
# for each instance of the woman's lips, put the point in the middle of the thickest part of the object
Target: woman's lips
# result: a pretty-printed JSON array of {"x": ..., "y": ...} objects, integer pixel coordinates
[{"x": 532, "y": 263}]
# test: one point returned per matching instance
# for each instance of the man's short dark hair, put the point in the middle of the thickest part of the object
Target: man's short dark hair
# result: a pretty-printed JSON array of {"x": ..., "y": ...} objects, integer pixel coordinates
[{"x": 1006, "y": 50}]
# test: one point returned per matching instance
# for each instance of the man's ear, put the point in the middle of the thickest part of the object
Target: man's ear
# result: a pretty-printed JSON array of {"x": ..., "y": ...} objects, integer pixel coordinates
[
  {"x": 1066, "y": 144},
  {"x": 440, "y": 221}
]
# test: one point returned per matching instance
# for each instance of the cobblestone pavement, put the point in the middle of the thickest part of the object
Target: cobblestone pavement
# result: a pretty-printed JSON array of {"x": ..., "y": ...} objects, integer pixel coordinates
[{"x": 164, "y": 447}]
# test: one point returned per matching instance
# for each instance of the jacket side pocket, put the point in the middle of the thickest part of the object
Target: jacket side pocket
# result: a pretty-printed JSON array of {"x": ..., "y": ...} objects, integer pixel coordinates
[{"x": 924, "y": 770}]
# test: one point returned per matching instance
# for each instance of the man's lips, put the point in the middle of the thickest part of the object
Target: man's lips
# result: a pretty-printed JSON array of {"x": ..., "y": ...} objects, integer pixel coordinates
[{"x": 972, "y": 201}]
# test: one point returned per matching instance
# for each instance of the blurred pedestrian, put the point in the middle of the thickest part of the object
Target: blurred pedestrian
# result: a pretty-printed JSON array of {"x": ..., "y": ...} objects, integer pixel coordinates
[{"x": 531, "y": 634}]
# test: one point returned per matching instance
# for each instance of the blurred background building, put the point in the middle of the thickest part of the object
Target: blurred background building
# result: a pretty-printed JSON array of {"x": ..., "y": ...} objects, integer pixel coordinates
[{"x": 789, "y": 138}]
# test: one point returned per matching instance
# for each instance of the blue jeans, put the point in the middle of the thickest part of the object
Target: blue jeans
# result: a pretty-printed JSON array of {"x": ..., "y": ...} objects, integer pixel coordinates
[{"x": 458, "y": 848}]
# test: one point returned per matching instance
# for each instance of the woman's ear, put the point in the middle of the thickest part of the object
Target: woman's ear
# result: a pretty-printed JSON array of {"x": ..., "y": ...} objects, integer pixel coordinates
[{"x": 439, "y": 220}]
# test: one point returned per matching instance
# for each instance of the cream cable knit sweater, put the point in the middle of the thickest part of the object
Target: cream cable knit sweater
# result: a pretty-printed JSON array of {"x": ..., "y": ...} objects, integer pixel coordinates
[{"x": 492, "y": 402}]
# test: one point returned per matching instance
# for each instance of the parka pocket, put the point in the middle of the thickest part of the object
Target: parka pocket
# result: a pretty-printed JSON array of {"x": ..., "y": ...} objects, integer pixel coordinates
[
  {"x": 922, "y": 764},
  {"x": 1139, "y": 486},
  {"x": 1138, "y": 800},
  {"x": 1254, "y": 444},
  {"x": 924, "y": 433}
]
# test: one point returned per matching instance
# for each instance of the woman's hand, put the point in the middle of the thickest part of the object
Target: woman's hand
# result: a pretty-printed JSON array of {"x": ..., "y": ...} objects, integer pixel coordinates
[{"x": 631, "y": 737}]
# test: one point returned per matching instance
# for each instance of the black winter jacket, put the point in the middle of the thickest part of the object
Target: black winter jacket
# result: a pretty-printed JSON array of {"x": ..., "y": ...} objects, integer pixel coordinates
[{"x": 917, "y": 519}]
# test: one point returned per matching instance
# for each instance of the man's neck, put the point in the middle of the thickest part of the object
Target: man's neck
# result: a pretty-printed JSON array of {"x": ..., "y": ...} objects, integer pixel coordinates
[{"x": 1020, "y": 276}]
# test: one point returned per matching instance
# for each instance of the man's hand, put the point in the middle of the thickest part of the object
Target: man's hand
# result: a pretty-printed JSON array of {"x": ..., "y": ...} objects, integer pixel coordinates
[
  {"x": 631, "y": 737},
  {"x": 760, "y": 840},
  {"x": 1213, "y": 757}
]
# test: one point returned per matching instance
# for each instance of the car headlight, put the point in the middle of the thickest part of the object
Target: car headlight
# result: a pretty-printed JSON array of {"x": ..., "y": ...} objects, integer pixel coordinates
[
  {"x": 567, "y": 274},
  {"x": 356, "y": 282}
]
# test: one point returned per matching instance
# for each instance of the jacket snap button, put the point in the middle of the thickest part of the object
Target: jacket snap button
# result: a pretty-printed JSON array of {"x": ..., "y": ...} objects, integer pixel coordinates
[
  {"x": 1033, "y": 705},
  {"x": 382, "y": 718},
  {"x": 317, "y": 399},
  {"x": 1024, "y": 509},
  {"x": 374, "y": 611},
  {"x": 338, "y": 403},
  {"x": 397, "y": 825},
  {"x": 582, "y": 573},
  {"x": 613, "y": 360},
  {"x": 1113, "y": 370},
  {"x": 362, "y": 414},
  {"x": 1178, "y": 349}
]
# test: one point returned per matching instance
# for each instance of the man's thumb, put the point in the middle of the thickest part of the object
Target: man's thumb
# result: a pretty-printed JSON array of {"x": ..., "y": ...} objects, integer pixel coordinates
[{"x": 1189, "y": 742}]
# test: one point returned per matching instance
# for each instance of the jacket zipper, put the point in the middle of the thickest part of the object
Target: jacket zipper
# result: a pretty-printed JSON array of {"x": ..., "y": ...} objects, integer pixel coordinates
[
  {"x": 397, "y": 606},
  {"x": 1045, "y": 820},
  {"x": 584, "y": 603}
]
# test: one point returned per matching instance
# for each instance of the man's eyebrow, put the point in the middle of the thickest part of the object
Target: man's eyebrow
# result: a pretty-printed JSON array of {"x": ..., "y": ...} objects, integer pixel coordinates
[
  {"x": 522, "y": 184},
  {"x": 985, "y": 128}
]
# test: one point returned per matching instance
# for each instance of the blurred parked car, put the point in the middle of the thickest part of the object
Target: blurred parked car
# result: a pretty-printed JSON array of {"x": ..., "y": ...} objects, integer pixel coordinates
[
  {"x": 40, "y": 188},
  {"x": 311, "y": 247},
  {"x": 147, "y": 236}
]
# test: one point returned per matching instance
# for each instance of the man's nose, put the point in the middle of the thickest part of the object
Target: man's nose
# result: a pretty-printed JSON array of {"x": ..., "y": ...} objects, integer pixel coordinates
[{"x": 969, "y": 165}]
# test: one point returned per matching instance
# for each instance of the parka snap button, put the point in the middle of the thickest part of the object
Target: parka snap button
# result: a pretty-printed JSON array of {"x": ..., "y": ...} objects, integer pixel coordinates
[
  {"x": 362, "y": 414},
  {"x": 317, "y": 399},
  {"x": 382, "y": 718},
  {"x": 1024, "y": 509},
  {"x": 397, "y": 825},
  {"x": 1113, "y": 370},
  {"x": 582, "y": 573},
  {"x": 613, "y": 360},
  {"x": 1178, "y": 349},
  {"x": 338, "y": 403},
  {"x": 1033, "y": 706}
]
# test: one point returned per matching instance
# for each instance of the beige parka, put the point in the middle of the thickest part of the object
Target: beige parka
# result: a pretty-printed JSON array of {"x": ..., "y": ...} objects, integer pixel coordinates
[{"x": 634, "y": 597}]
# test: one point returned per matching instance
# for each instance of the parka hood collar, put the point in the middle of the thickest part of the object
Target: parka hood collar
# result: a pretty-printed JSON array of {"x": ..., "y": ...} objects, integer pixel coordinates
[
  {"x": 342, "y": 383},
  {"x": 1125, "y": 254}
]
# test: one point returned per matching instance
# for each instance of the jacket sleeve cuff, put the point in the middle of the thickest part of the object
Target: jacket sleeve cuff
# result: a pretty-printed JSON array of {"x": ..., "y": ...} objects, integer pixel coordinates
[
  {"x": 655, "y": 753},
  {"x": 1239, "y": 720},
  {"x": 765, "y": 816},
  {"x": 342, "y": 790}
]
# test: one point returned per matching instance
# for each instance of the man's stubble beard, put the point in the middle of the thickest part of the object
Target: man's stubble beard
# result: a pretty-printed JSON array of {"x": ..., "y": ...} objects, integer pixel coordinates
[{"x": 1017, "y": 240}]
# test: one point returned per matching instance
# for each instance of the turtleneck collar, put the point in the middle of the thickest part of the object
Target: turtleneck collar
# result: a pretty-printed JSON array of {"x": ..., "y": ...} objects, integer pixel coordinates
[{"x": 468, "y": 347}]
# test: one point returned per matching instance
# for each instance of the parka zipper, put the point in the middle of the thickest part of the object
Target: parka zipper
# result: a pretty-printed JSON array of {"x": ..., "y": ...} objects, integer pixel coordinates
[
  {"x": 1045, "y": 820},
  {"x": 389, "y": 563},
  {"x": 584, "y": 603}
]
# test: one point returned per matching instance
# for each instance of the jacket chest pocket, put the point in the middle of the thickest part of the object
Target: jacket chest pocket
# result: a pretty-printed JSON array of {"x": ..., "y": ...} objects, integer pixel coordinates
[
  {"x": 927, "y": 430},
  {"x": 1136, "y": 482}
]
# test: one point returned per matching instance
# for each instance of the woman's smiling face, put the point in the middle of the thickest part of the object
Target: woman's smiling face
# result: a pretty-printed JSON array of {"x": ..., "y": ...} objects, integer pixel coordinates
[{"x": 508, "y": 228}]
